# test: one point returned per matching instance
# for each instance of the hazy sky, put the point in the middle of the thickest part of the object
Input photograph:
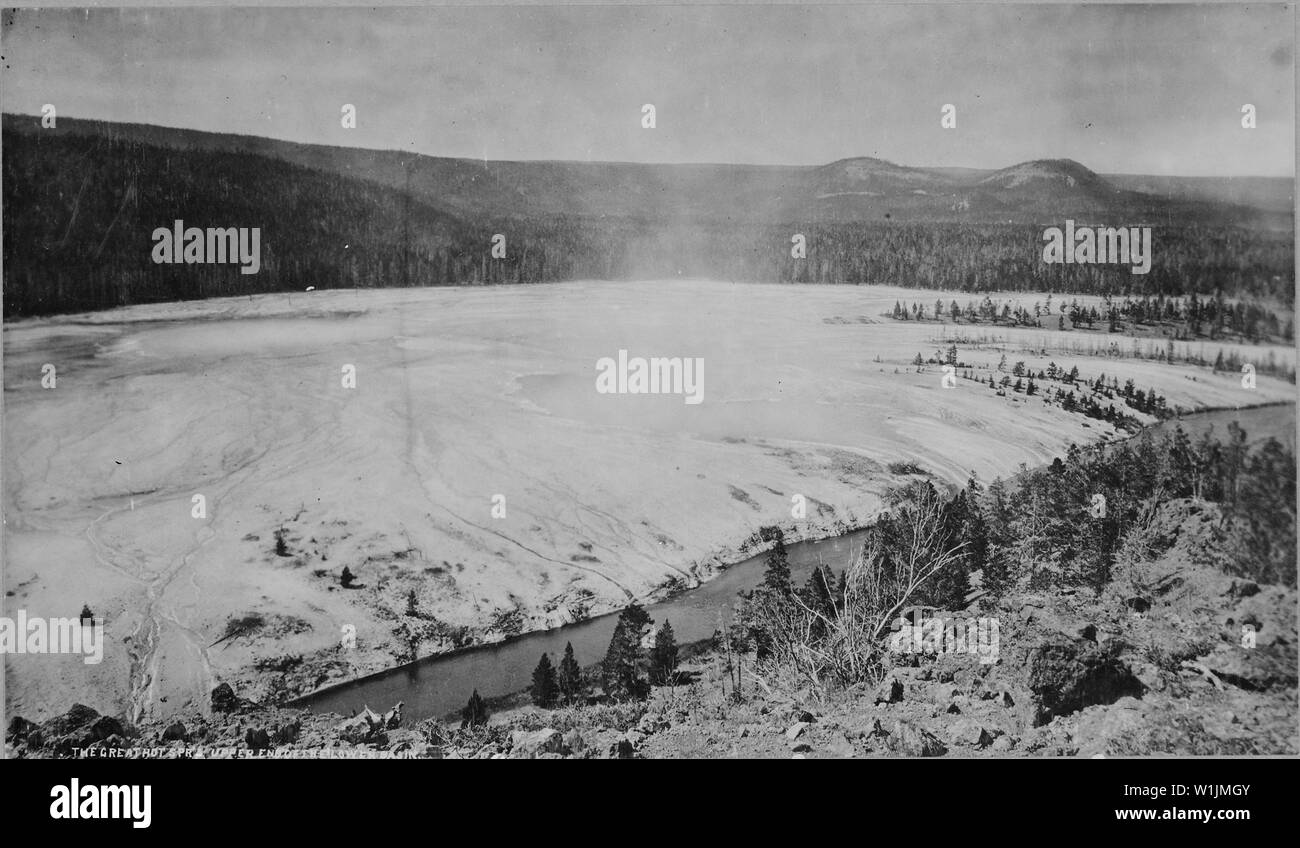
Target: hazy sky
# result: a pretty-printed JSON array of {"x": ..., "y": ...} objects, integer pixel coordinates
[{"x": 1135, "y": 89}]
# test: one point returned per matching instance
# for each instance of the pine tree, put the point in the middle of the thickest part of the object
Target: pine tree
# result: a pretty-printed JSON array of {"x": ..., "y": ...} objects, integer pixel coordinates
[
  {"x": 346, "y": 578},
  {"x": 996, "y": 517},
  {"x": 570, "y": 677},
  {"x": 475, "y": 712},
  {"x": 777, "y": 576},
  {"x": 947, "y": 589},
  {"x": 663, "y": 656},
  {"x": 545, "y": 687},
  {"x": 975, "y": 534},
  {"x": 621, "y": 670}
]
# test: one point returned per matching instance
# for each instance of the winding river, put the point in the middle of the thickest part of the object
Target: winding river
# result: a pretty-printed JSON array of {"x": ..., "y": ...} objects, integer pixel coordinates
[{"x": 440, "y": 685}]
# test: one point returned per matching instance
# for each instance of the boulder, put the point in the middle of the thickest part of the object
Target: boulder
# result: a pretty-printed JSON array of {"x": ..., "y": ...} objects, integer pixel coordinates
[
  {"x": 574, "y": 743},
  {"x": 1137, "y": 604},
  {"x": 406, "y": 741},
  {"x": 908, "y": 740},
  {"x": 287, "y": 734},
  {"x": 1067, "y": 675},
  {"x": 106, "y": 726},
  {"x": 890, "y": 690},
  {"x": 796, "y": 730},
  {"x": 528, "y": 745},
  {"x": 79, "y": 717},
  {"x": 942, "y": 693},
  {"x": 257, "y": 739},
  {"x": 1098, "y": 727},
  {"x": 175, "y": 732},
  {"x": 1150, "y": 675},
  {"x": 1240, "y": 588},
  {"x": 19, "y": 727},
  {"x": 365, "y": 727},
  {"x": 967, "y": 731},
  {"x": 1257, "y": 669},
  {"x": 224, "y": 699}
]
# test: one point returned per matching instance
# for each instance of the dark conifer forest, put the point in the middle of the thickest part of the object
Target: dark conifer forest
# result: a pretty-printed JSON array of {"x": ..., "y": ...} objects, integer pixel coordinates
[{"x": 81, "y": 205}]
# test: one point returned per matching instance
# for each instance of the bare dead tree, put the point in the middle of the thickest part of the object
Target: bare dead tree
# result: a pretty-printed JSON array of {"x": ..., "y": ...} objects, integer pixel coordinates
[{"x": 845, "y": 643}]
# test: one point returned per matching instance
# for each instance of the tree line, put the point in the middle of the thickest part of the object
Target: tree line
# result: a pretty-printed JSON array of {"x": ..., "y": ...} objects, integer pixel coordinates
[
  {"x": 1057, "y": 527},
  {"x": 1212, "y": 318},
  {"x": 1091, "y": 395},
  {"x": 81, "y": 212},
  {"x": 1061, "y": 526},
  {"x": 627, "y": 672}
]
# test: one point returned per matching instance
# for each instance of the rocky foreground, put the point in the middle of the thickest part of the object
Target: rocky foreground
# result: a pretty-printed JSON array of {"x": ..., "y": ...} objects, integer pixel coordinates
[{"x": 1174, "y": 657}]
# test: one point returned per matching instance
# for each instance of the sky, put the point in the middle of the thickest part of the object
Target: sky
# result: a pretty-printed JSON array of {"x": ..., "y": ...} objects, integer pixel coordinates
[{"x": 1122, "y": 89}]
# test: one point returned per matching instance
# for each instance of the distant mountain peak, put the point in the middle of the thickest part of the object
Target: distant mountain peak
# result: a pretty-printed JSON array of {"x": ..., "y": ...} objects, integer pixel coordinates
[
  {"x": 865, "y": 162},
  {"x": 1067, "y": 171},
  {"x": 869, "y": 172},
  {"x": 853, "y": 189}
]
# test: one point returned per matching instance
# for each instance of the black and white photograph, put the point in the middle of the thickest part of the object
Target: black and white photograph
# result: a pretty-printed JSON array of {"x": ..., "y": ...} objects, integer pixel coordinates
[{"x": 666, "y": 381}]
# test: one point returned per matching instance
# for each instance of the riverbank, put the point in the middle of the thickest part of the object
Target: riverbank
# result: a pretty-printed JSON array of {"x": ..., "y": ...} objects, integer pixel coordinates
[
  {"x": 438, "y": 686},
  {"x": 1078, "y": 675}
]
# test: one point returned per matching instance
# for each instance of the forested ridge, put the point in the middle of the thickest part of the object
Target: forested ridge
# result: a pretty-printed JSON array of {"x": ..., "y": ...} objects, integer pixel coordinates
[{"x": 80, "y": 208}]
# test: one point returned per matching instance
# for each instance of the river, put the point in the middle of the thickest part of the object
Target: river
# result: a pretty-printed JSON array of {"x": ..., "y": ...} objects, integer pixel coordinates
[{"x": 440, "y": 685}]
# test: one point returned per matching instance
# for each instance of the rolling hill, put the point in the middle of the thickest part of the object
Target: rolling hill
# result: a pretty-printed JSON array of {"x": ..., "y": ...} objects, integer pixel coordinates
[
  {"x": 81, "y": 201},
  {"x": 1042, "y": 191}
]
